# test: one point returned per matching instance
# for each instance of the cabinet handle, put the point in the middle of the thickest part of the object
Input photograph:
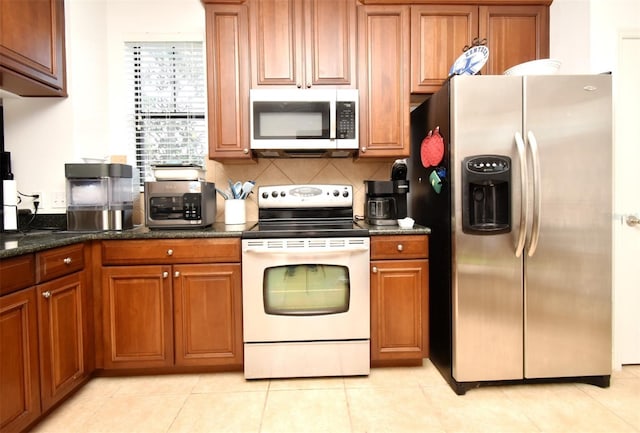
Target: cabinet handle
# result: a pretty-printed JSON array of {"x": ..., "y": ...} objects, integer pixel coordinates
[
  {"x": 165, "y": 274},
  {"x": 169, "y": 252},
  {"x": 46, "y": 294},
  {"x": 176, "y": 274},
  {"x": 374, "y": 270},
  {"x": 400, "y": 247},
  {"x": 67, "y": 260}
]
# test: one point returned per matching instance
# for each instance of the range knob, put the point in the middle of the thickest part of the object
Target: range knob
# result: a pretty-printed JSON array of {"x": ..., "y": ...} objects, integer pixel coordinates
[
  {"x": 274, "y": 194},
  {"x": 345, "y": 193},
  {"x": 265, "y": 195},
  {"x": 283, "y": 194},
  {"x": 336, "y": 193}
]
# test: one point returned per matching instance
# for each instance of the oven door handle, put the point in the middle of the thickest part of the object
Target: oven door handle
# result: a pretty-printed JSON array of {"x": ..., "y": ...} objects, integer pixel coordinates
[{"x": 290, "y": 251}]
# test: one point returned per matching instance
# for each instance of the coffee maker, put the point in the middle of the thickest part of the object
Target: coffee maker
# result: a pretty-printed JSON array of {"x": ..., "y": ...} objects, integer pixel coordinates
[{"x": 386, "y": 200}]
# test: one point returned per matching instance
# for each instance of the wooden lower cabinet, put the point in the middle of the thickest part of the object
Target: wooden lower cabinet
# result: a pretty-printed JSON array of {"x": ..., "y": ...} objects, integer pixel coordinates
[
  {"x": 208, "y": 314},
  {"x": 174, "y": 313},
  {"x": 19, "y": 374},
  {"x": 63, "y": 358},
  {"x": 137, "y": 316},
  {"x": 399, "y": 300}
]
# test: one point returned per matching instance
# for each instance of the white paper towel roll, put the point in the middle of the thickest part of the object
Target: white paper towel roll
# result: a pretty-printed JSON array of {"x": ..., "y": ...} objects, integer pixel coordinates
[{"x": 10, "y": 204}]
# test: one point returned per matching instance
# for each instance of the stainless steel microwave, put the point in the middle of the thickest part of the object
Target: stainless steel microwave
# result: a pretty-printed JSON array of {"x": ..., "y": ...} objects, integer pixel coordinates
[{"x": 304, "y": 122}]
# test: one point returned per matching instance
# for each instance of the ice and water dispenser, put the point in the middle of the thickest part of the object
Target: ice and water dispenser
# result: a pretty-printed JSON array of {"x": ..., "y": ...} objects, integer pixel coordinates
[
  {"x": 99, "y": 196},
  {"x": 486, "y": 194}
]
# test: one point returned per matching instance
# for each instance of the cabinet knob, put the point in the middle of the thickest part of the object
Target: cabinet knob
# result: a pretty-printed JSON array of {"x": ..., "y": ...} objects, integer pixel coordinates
[
  {"x": 67, "y": 260},
  {"x": 400, "y": 247},
  {"x": 176, "y": 274},
  {"x": 308, "y": 85},
  {"x": 298, "y": 85},
  {"x": 169, "y": 252},
  {"x": 245, "y": 151},
  {"x": 46, "y": 294},
  {"x": 165, "y": 274},
  {"x": 363, "y": 149},
  {"x": 374, "y": 270}
]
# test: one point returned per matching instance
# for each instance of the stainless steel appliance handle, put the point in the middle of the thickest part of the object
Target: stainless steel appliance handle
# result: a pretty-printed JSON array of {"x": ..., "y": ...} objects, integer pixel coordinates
[
  {"x": 332, "y": 120},
  {"x": 537, "y": 199},
  {"x": 292, "y": 251},
  {"x": 524, "y": 194}
]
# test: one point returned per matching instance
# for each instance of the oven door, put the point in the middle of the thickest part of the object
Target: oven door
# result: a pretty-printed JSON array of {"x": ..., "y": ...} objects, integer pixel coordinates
[{"x": 305, "y": 289}]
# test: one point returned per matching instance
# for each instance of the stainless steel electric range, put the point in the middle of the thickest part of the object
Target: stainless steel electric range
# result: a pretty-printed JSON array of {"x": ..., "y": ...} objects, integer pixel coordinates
[{"x": 305, "y": 281}]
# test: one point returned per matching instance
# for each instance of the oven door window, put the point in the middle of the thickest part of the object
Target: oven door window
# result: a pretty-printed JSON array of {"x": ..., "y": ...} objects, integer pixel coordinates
[
  {"x": 306, "y": 290},
  {"x": 289, "y": 120}
]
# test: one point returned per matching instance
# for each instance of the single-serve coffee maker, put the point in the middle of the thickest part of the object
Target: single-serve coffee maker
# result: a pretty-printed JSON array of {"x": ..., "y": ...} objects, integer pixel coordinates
[{"x": 386, "y": 201}]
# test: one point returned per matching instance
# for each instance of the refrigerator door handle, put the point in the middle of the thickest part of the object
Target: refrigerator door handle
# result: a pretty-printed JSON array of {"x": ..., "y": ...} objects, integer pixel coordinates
[
  {"x": 524, "y": 202},
  {"x": 535, "y": 228}
]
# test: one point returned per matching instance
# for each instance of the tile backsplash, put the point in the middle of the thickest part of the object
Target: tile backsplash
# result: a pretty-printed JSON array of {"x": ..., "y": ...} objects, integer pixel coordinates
[
  {"x": 290, "y": 171},
  {"x": 298, "y": 171}
]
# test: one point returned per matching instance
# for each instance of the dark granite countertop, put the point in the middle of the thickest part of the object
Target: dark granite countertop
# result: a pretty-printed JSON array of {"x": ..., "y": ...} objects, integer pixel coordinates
[{"x": 15, "y": 244}]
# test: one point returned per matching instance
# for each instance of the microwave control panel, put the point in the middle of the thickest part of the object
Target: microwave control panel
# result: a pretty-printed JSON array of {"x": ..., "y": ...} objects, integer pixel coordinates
[{"x": 346, "y": 119}]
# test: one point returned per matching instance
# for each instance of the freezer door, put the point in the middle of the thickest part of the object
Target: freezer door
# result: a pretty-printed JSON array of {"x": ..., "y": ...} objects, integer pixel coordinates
[
  {"x": 486, "y": 113},
  {"x": 568, "y": 266}
]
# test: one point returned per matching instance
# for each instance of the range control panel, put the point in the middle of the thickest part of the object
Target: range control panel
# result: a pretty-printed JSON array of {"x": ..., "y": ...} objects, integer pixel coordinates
[{"x": 309, "y": 196}]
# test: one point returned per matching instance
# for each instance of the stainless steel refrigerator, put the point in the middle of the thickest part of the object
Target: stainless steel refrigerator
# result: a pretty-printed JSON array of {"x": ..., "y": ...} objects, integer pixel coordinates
[{"x": 520, "y": 208}]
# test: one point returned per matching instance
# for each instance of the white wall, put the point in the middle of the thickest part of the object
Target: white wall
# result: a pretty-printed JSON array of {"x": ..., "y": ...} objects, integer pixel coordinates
[
  {"x": 584, "y": 33},
  {"x": 43, "y": 134}
]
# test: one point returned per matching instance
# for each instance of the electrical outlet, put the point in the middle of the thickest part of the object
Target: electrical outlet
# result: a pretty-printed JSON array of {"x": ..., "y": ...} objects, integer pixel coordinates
[
  {"x": 40, "y": 199},
  {"x": 59, "y": 200}
]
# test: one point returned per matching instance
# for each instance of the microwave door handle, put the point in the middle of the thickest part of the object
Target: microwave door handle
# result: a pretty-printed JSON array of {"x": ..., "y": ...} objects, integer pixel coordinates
[{"x": 332, "y": 119}]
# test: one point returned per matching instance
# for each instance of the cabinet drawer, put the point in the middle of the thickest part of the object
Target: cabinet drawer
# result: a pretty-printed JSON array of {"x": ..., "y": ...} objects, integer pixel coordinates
[
  {"x": 169, "y": 251},
  {"x": 59, "y": 261},
  {"x": 399, "y": 247},
  {"x": 17, "y": 273}
]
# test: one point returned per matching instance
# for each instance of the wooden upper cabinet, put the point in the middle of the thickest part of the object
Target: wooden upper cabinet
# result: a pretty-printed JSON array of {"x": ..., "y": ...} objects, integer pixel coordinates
[
  {"x": 227, "y": 28},
  {"x": 303, "y": 43},
  {"x": 32, "y": 51},
  {"x": 439, "y": 34},
  {"x": 383, "y": 80},
  {"x": 515, "y": 34}
]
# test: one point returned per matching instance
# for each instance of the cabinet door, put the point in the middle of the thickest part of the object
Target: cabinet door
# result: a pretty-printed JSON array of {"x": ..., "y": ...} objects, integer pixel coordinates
[
  {"x": 277, "y": 38},
  {"x": 228, "y": 81},
  {"x": 438, "y": 36},
  {"x": 137, "y": 316},
  {"x": 330, "y": 42},
  {"x": 62, "y": 355},
  {"x": 399, "y": 310},
  {"x": 19, "y": 376},
  {"x": 515, "y": 34},
  {"x": 383, "y": 80},
  {"x": 208, "y": 314},
  {"x": 32, "y": 52}
]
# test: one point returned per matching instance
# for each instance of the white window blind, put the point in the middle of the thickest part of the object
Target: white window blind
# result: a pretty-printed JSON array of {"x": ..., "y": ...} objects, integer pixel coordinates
[{"x": 167, "y": 85}]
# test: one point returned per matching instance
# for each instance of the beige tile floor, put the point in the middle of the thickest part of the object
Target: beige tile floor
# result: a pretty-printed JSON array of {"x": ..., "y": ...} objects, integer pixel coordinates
[{"x": 411, "y": 399}]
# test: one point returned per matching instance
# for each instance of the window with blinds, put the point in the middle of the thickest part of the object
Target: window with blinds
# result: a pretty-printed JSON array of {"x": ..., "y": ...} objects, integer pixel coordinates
[{"x": 167, "y": 113}]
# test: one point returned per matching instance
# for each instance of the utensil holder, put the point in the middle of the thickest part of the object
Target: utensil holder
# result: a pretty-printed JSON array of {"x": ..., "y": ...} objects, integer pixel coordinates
[{"x": 235, "y": 212}]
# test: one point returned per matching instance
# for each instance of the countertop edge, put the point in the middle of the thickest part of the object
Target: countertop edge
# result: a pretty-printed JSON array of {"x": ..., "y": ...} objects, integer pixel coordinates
[{"x": 12, "y": 245}]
